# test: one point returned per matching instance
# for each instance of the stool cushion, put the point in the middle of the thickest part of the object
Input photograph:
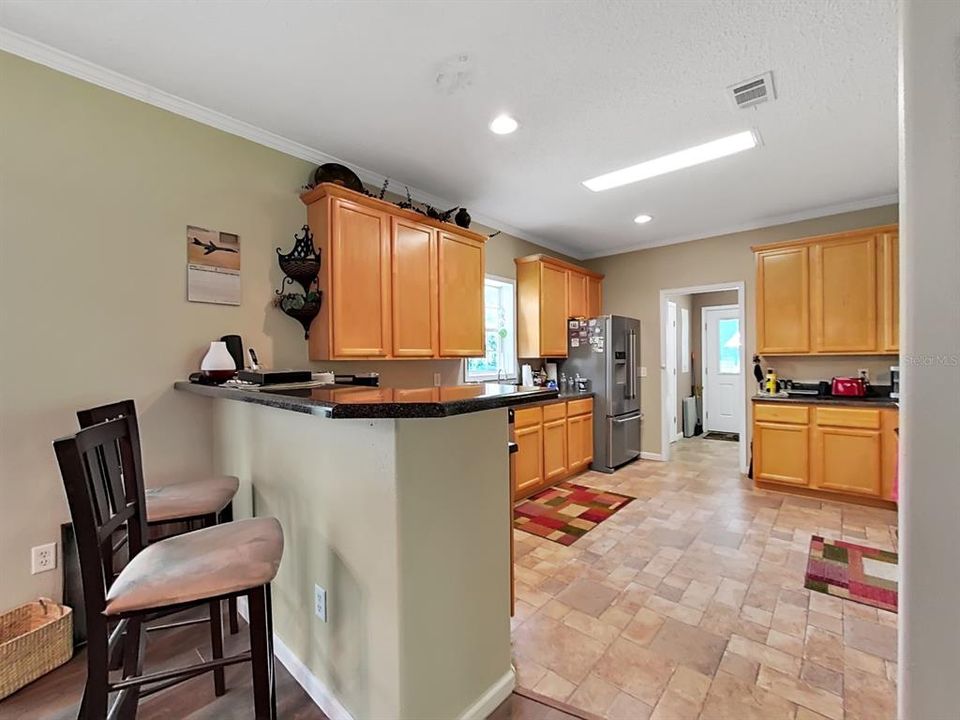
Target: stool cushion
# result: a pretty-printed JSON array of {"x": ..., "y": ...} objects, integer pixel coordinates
[
  {"x": 197, "y": 565},
  {"x": 168, "y": 503}
]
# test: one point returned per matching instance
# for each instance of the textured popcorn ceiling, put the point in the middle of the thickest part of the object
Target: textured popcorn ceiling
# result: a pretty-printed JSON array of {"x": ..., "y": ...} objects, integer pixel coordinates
[{"x": 407, "y": 90}]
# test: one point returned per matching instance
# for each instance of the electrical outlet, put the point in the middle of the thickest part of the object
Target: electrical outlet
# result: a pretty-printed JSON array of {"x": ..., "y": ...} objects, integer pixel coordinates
[
  {"x": 864, "y": 373},
  {"x": 43, "y": 558},
  {"x": 436, "y": 379},
  {"x": 320, "y": 602},
  {"x": 643, "y": 371}
]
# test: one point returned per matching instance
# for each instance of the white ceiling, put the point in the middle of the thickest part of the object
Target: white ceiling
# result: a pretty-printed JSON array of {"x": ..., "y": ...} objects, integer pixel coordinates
[{"x": 596, "y": 86}]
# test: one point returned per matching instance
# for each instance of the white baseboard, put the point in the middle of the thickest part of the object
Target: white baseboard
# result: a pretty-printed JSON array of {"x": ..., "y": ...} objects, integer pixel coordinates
[
  {"x": 311, "y": 684},
  {"x": 677, "y": 436},
  {"x": 651, "y": 456},
  {"x": 491, "y": 699}
]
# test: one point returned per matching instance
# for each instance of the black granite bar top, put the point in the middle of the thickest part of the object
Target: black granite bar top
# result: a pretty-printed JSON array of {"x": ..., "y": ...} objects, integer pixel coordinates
[
  {"x": 866, "y": 401},
  {"x": 351, "y": 401}
]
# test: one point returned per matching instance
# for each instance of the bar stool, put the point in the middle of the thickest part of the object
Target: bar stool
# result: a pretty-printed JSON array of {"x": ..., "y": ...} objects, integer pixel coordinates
[
  {"x": 102, "y": 475},
  {"x": 205, "y": 501}
]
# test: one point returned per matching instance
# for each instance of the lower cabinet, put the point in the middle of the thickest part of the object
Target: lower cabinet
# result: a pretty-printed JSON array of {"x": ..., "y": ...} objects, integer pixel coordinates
[
  {"x": 846, "y": 450},
  {"x": 554, "y": 441}
]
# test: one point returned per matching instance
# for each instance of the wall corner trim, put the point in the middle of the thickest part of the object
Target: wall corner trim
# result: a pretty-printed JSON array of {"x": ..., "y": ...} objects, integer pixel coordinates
[
  {"x": 656, "y": 457},
  {"x": 491, "y": 699}
]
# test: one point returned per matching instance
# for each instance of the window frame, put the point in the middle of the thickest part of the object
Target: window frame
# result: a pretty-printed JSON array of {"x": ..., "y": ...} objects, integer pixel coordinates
[{"x": 504, "y": 283}]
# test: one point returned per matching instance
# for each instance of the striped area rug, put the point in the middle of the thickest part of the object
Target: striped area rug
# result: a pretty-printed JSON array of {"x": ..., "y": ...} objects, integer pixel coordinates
[
  {"x": 853, "y": 572},
  {"x": 566, "y": 512}
]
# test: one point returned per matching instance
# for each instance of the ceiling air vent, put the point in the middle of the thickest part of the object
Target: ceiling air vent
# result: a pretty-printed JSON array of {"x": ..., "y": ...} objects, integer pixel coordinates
[{"x": 754, "y": 91}]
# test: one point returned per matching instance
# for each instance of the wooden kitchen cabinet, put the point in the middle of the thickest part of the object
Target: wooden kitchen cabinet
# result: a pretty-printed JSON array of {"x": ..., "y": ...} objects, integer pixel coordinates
[
  {"x": 461, "y": 296},
  {"x": 554, "y": 450},
  {"x": 394, "y": 284},
  {"x": 844, "y": 295},
  {"x": 783, "y": 304},
  {"x": 594, "y": 296},
  {"x": 562, "y": 432},
  {"x": 845, "y": 451},
  {"x": 415, "y": 294},
  {"x": 829, "y": 295},
  {"x": 360, "y": 292},
  {"x": 528, "y": 459},
  {"x": 889, "y": 289},
  {"x": 549, "y": 291}
]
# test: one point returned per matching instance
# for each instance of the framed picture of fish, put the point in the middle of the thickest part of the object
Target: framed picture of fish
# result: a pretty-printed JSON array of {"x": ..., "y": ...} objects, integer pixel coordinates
[{"x": 213, "y": 266}]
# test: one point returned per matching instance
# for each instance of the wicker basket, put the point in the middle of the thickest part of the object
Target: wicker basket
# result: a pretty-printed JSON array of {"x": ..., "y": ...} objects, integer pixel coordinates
[{"x": 34, "y": 639}]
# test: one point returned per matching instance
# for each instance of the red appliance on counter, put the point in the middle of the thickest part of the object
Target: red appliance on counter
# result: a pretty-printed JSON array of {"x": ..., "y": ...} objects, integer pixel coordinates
[{"x": 848, "y": 387}]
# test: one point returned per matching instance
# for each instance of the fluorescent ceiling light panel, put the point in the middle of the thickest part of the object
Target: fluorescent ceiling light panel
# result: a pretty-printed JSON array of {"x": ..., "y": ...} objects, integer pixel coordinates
[{"x": 712, "y": 150}]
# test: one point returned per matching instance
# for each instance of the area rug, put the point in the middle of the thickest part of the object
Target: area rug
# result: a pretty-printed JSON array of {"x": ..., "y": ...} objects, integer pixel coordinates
[
  {"x": 853, "y": 572},
  {"x": 718, "y": 435},
  {"x": 566, "y": 512}
]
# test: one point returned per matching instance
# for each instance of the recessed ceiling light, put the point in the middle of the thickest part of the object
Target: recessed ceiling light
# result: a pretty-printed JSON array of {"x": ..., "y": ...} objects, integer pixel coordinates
[
  {"x": 642, "y": 219},
  {"x": 676, "y": 161},
  {"x": 503, "y": 125}
]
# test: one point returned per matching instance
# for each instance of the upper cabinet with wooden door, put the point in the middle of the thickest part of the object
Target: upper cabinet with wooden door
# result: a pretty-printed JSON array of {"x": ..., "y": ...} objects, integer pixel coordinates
[
  {"x": 844, "y": 297},
  {"x": 889, "y": 291},
  {"x": 549, "y": 291},
  {"x": 829, "y": 295},
  {"x": 461, "y": 296},
  {"x": 395, "y": 284},
  {"x": 783, "y": 304}
]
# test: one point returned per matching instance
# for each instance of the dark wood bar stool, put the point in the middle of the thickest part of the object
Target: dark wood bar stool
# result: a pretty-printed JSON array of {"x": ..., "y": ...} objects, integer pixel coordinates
[
  {"x": 102, "y": 475},
  {"x": 203, "y": 502}
]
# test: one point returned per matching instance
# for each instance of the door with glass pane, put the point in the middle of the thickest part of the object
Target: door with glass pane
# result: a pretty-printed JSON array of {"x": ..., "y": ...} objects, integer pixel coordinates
[{"x": 722, "y": 371}]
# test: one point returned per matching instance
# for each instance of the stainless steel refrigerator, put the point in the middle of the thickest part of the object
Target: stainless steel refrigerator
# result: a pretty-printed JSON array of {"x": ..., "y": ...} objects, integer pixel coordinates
[{"x": 607, "y": 352}]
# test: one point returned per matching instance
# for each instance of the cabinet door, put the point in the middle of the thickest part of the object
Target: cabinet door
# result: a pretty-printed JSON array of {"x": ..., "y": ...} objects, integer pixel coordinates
[
  {"x": 781, "y": 453},
  {"x": 575, "y": 450},
  {"x": 414, "y": 262},
  {"x": 889, "y": 272},
  {"x": 783, "y": 314},
  {"x": 553, "y": 311},
  {"x": 554, "y": 450},
  {"x": 594, "y": 297},
  {"x": 576, "y": 294},
  {"x": 844, "y": 300},
  {"x": 461, "y": 296},
  {"x": 847, "y": 460},
  {"x": 360, "y": 258},
  {"x": 586, "y": 439},
  {"x": 528, "y": 460}
]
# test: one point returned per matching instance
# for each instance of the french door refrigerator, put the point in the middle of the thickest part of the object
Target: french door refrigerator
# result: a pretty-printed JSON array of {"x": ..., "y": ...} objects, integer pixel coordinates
[{"x": 607, "y": 351}]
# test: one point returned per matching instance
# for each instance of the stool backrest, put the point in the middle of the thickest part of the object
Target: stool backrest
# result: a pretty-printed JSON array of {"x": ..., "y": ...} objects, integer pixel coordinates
[
  {"x": 92, "y": 416},
  {"x": 103, "y": 478}
]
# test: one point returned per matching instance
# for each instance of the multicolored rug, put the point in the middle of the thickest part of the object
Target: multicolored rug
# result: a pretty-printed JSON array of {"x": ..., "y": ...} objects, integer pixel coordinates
[
  {"x": 853, "y": 572},
  {"x": 565, "y": 512}
]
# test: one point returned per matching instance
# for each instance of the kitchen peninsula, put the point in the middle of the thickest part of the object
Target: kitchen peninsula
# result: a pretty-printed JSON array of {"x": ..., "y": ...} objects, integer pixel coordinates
[{"x": 395, "y": 502}]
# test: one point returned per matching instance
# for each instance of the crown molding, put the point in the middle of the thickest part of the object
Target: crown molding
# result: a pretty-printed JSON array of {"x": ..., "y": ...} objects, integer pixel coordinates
[
  {"x": 809, "y": 214},
  {"x": 64, "y": 62}
]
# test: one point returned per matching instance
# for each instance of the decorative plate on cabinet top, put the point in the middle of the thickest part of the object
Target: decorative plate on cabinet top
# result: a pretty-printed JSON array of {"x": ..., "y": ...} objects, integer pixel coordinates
[{"x": 338, "y": 175}]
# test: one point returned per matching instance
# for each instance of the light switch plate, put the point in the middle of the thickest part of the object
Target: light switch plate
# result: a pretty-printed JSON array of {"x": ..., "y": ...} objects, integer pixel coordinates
[
  {"x": 320, "y": 602},
  {"x": 436, "y": 379},
  {"x": 643, "y": 371},
  {"x": 43, "y": 558}
]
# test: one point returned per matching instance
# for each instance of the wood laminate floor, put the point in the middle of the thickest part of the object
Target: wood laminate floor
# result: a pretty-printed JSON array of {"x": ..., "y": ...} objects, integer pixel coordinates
[{"x": 56, "y": 696}]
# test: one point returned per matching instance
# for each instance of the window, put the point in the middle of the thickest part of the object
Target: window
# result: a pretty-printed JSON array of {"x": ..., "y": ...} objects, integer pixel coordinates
[
  {"x": 728, "y": 338},
  {"x": 499, "y": 329}
]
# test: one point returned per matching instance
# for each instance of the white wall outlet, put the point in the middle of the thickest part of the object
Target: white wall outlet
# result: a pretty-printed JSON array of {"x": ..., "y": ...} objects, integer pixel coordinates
[
  {"x": 436, "y": 379},
  {"x": 320, "y": 602},
  {"x": 643, "y": 371},
  {"x": 43, "y": 558}
]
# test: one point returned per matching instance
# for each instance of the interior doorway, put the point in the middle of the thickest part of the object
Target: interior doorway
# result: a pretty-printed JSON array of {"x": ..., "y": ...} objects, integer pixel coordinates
[
  {"x": 683, "y": 406},
  {"x": 721, "y": 370}
]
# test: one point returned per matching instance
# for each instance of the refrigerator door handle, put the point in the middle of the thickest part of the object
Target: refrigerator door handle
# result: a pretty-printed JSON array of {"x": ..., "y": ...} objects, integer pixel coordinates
[
  {"x": 632, "y": 365},
  {"x": 628, "y": 418}
]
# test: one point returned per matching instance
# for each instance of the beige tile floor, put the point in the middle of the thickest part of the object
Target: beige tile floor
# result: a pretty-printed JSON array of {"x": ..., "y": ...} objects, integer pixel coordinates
[{"x": 689, "y": 603}]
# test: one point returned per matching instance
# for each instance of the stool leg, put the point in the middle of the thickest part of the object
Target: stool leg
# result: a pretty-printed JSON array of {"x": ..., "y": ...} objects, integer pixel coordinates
[
  {"x": 216, "y": 645},
  {"x": 260, "y": 658},
  {"x": 132, "y": 666},
  {"x": 226, "y": 515},
  {"x": 273, "y": 662},
  {"x": 94, "y": 703}
]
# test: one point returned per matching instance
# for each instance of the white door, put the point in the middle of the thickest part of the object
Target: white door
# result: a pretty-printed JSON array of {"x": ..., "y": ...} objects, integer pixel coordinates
[
  {"x": 722, "y": 374},
  {"x": 670, "y": 402}
]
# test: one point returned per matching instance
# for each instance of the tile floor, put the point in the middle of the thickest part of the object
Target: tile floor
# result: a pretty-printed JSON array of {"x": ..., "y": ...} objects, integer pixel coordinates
[{"x": 689, "y": 603}]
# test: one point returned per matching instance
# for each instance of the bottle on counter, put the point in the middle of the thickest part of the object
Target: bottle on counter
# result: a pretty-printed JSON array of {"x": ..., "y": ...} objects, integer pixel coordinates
[{"x": 771, "y": 384}]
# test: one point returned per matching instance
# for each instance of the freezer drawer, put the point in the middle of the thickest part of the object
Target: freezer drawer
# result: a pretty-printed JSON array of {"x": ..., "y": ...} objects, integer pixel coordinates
[{"x": 623, "y": 438}]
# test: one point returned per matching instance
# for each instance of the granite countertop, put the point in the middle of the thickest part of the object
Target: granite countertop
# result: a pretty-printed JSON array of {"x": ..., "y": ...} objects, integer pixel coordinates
[
  {"x": 354, "y": 401},
  {"x": 866, "y": 401}
]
